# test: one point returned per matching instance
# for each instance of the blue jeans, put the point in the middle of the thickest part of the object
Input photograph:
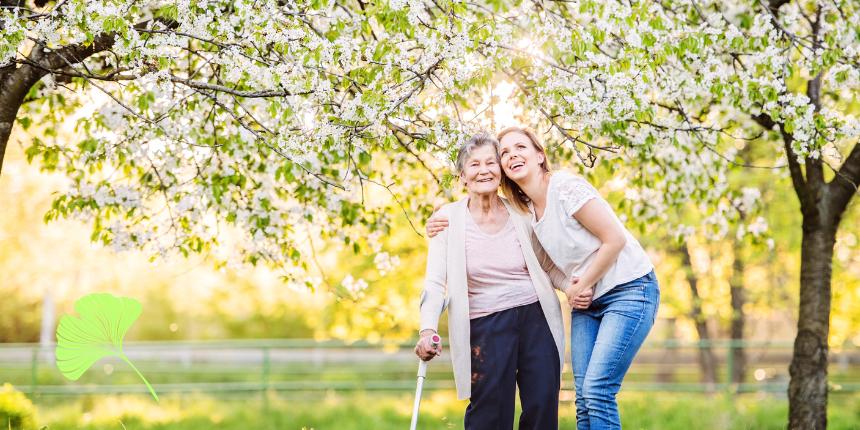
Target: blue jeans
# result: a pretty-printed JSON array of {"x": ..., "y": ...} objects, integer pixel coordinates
[{"x": 603, "y": 341}]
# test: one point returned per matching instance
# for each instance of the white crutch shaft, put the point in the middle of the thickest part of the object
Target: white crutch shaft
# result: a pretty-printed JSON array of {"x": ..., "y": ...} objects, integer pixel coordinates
[{"x": 422, "y": 373}]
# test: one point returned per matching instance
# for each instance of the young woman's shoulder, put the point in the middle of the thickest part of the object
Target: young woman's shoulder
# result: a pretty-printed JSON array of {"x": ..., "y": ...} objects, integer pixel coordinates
[
  {"x": 564, "y": 180},
  {"x": 573, "y": 191}
]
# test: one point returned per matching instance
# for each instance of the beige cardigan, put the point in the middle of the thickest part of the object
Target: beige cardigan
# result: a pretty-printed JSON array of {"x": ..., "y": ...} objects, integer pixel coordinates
[{"x": 446, "y": 265}]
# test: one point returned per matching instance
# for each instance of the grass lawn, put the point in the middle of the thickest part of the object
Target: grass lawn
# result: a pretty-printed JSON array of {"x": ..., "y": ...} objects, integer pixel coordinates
[
  {"x": 345, "y": 410},
  {"x": 383, "y": 411}
]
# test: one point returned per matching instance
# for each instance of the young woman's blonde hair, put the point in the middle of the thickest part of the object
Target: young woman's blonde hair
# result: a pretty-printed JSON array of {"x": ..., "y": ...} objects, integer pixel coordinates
[{"x": 510, "y": 189}]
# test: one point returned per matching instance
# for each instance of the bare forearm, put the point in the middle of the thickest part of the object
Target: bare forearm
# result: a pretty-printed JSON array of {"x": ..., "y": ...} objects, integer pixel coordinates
[
  {"x": 606, "y": 256},
  {"x": 601, "y": 223}
]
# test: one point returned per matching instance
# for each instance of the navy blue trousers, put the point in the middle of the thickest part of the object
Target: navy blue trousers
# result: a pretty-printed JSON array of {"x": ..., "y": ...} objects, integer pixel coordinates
[{"x": 513, "y": 348}]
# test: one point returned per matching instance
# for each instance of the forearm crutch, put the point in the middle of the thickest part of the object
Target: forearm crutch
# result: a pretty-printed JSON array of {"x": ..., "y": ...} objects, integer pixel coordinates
[{"x": 422, "y": 373}]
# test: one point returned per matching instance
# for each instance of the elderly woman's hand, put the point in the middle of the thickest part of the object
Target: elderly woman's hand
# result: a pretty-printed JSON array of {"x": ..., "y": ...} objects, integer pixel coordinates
[
  {"x": 434, "y": 225},
  {"x": 581, "y": 300},
  {"x": 424, "y": 350}
]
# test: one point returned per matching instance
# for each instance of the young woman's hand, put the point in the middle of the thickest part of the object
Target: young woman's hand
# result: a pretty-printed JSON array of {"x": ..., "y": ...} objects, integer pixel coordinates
[
  {"x": 424, "y": 350},
  {"x": 435, "y": 224}
]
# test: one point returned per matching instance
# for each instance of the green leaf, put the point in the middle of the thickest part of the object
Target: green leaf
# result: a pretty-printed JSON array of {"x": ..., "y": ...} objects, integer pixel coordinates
[
  {"x": 32, "y": 152},
  {"x": 104, "y": 321},
  {"x": 170, "y": 12},
  {"x": 25, "y": 122},
  {"x": 447, "y": 180}
]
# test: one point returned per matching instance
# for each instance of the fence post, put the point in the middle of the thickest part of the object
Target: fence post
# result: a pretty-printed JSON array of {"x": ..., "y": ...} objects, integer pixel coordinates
[
  {"x": 34, "y": 376},
  {"x": 730, "y": 364},
  {"x": 265, "y": 381}
]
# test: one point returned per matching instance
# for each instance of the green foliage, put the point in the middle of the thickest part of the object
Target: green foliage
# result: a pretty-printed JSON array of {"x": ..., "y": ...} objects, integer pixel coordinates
[
  {"x": 653, "y": 85},
  {"x": 16, "y": 410},
  {"x": 58, "y": 257},
  {"x": 256, "y": 305}
]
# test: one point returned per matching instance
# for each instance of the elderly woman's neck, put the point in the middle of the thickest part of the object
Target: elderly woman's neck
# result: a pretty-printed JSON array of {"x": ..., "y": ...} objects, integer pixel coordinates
[{"x": 485, "y": 204}]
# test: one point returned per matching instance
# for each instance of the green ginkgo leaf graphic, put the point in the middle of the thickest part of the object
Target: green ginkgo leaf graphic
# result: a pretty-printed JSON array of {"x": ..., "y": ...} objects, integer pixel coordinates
[{"x": 98, "y": 333}]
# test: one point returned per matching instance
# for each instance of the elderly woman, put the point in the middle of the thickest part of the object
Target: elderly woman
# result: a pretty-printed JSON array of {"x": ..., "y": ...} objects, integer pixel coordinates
[{"x": 504, "y": 319}]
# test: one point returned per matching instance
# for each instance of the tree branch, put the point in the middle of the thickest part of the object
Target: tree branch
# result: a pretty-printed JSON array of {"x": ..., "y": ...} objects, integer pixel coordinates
[
  {"x": 266, "y": 142},
  {"x": 388, "y": 187},
  {"x": 226, "y": 90},
  {"x": 807, "y": 203},
  {"x": 814, "y": 166},
  {"x": 843, "y": 187}
]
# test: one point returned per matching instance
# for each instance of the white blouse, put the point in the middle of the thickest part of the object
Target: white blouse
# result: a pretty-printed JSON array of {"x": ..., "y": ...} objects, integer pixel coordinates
[{"x": 571, "y": 246}]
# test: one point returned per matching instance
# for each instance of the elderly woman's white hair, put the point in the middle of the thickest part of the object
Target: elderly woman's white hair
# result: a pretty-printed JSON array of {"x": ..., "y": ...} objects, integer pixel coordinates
[{"x": 479, "y": 140}]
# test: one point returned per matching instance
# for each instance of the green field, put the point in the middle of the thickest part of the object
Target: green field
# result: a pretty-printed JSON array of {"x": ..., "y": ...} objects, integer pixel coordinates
[
  {"x": 345, "y": 410},
  {"x": 440, "y": 410}
]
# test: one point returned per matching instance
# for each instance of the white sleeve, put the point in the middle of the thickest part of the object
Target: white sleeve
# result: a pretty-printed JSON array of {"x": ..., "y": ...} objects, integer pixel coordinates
[
  {"x": 575, "y": 192},
  {"x": 435, "y": 279}
]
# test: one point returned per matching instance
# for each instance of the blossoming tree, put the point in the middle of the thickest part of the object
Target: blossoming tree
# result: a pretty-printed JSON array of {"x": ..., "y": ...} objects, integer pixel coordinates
[{"x": 282, "y": 119}]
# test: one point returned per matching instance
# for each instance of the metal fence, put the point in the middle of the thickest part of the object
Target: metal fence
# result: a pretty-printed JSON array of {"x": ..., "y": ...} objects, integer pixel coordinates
[{"x": 261, "y": 365}]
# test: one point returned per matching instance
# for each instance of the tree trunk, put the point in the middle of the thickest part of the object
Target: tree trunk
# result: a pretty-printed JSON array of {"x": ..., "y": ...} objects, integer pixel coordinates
[
  {"x": 807, "y": 391},
  {"x": 822, "y": 205},
  {"x": 12, "y": 82},
  {"x": 736, "y": 288},
  {"x": 5, "y": 132},
  {"x": 707, "y": 360},
  {"x": 665, "y": 368},
  {"x": 15, "y": 81},
  {"x": 13, "y": 88}
]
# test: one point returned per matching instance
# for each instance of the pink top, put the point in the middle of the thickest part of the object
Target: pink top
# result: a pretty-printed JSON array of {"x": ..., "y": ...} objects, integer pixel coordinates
[{"x": 496, "y": 271}]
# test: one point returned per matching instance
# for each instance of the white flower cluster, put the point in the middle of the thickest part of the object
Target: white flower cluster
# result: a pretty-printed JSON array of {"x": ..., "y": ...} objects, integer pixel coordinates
[
  {"x": 275, "y": 119},
  {"x": 354, "y": 285},
  {"x": 385, "y": 263}
]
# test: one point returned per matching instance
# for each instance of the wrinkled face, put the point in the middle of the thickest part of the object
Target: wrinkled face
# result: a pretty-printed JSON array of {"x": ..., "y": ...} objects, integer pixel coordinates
[
  {"x": 519, "y": 156},
  {"x": 482, "y": 174}
]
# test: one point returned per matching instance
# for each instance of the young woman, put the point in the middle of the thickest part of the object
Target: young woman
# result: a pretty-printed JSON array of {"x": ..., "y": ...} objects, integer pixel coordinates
[{"x": 585, "y": 239}]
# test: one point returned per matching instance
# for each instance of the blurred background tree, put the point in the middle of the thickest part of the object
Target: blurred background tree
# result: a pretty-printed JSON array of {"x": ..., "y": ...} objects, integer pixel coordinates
[{"x": 207, "y": 304}]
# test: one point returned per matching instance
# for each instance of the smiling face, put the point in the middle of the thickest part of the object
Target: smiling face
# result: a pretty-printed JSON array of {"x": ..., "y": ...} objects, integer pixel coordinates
[
  {"x": 481, "y": 173},
  {"x": 519, "y": 156}
]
